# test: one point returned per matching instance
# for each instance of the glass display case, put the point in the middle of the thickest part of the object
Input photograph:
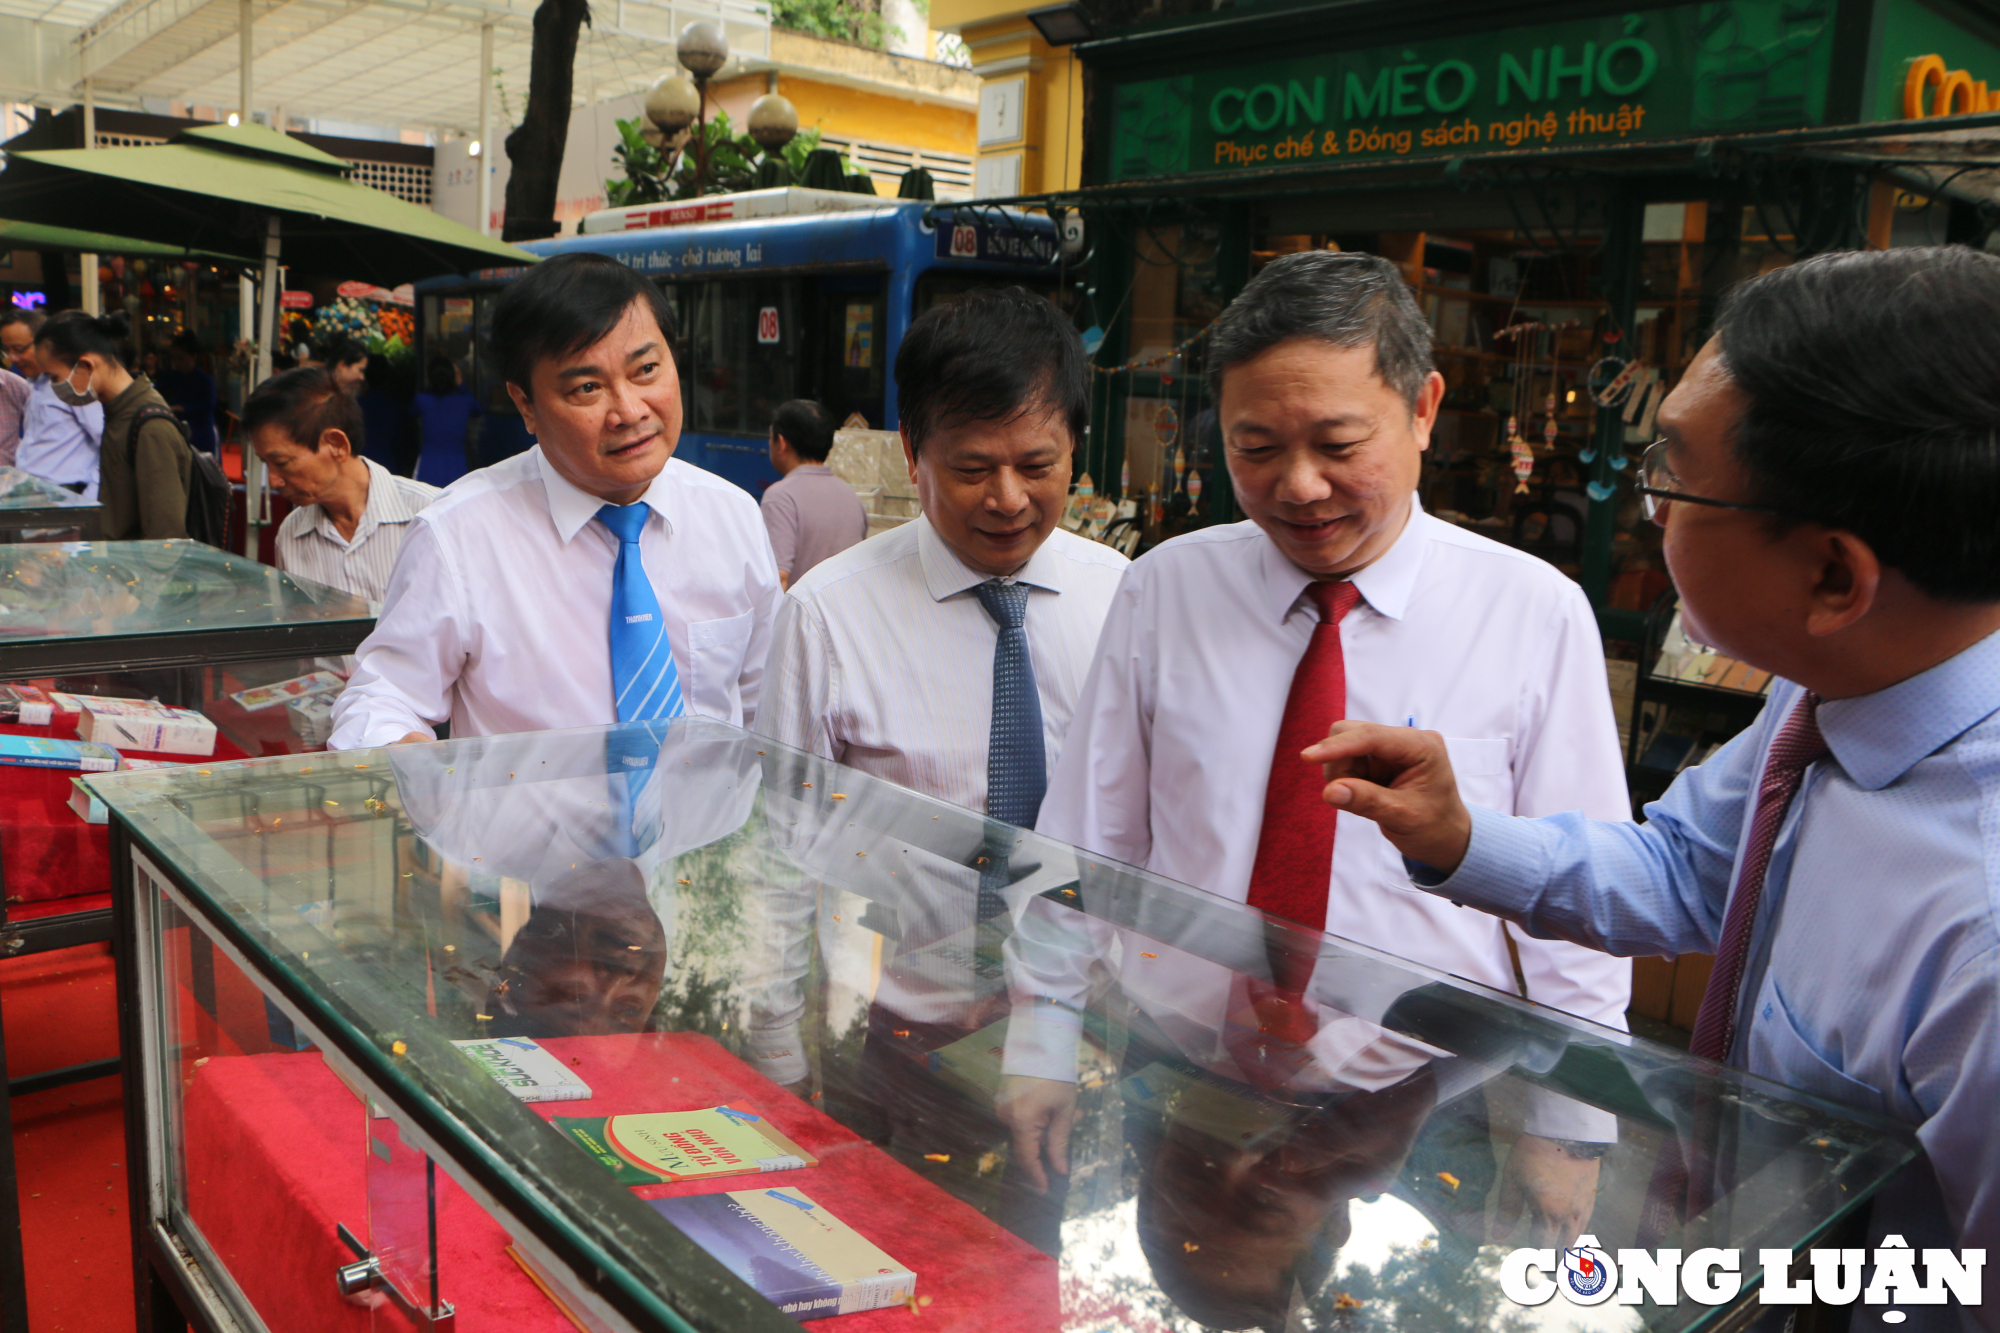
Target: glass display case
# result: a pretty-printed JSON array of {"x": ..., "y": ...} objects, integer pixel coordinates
[
  {"x": 33, "y": 510},
  {"x": 245, "y": 647},
  {"x": 823, "y": 1047}
]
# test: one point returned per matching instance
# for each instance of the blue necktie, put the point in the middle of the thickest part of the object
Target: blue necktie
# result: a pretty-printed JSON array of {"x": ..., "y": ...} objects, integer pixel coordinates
[
  {"x": 1016, "y": 762},
  {"x": 644, "y": 682}
]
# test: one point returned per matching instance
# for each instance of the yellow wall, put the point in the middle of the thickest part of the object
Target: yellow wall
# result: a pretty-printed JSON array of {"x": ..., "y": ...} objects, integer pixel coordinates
[
  {"x": 854, "y": 113},
  {"x": 1004, "y": 45}
]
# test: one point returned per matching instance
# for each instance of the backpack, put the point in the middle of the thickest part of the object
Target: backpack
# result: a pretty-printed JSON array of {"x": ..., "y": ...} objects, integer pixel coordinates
[{"x": 209, "y": 491}]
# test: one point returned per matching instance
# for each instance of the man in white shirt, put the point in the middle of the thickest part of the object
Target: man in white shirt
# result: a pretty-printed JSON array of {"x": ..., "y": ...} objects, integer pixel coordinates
[
  {"x": 592, "y": 579},
  {"x": 59, "y": 440},
  {"x": 351, "y": 514},
  {"x": 946, "y": 656},
  {"x": 1339, "y": 597}
]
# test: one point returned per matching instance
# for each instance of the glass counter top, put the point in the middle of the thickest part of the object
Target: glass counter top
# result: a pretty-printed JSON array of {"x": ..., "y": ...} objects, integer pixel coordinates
[
  {"x": 24, "y": 490},
  {"x": 89, "y": 604},
  {"x": 968, "y": 1032}
]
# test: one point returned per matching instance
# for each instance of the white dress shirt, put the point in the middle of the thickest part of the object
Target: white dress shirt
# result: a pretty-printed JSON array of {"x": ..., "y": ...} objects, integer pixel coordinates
[
  {"x": 498, "y": 613},
  {"x": 310, "y": 546},
  {"x": 1170, "y": 751},
  {"x": 883, "y": 656}
]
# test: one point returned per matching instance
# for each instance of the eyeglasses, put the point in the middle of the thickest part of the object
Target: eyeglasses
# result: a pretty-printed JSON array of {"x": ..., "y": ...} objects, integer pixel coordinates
[{"x": 1658, "y": 486}]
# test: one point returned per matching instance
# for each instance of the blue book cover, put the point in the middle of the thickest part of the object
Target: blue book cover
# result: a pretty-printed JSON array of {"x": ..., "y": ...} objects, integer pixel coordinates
[
  {"x": 802, "y": 1258},
  {"x": 44, "y": 752}
]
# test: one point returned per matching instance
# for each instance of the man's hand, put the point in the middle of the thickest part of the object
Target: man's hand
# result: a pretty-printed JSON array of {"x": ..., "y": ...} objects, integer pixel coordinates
[
  {"x": 1552, "y": 1191},
  {"x": 415, "y": 738},
  {"x": 1039, "y": 1111},
  {"x": 1400, "y": 778}
]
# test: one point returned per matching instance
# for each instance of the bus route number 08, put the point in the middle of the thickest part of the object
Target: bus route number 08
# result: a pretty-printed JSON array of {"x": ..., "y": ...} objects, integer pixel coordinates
[
  {"x": 767, "y": 324},
  {"x": 964, "y": 242}
]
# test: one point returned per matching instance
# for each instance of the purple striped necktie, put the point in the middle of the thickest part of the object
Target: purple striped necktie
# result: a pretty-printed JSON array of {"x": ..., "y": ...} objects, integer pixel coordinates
[{"x": 1798, "y": 745}]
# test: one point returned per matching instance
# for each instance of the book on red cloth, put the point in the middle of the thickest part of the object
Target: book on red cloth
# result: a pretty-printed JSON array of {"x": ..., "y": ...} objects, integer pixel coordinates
[
  {"x": 685, "y": 1145},
  {"x": 46, "y": 752},
  {"x": 798, "y": 1256},
  {"x": 520, "y": 1065}
]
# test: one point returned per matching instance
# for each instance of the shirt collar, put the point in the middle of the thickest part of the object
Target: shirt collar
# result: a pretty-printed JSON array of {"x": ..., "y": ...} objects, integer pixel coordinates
[
  {"x": 945, "y": 575},
  {"x": 386, "y": 504},
  {"x": 1879, "y": 737},
  {"x": 1386, "y": 585},
  {"x": 572, "y": 508}
]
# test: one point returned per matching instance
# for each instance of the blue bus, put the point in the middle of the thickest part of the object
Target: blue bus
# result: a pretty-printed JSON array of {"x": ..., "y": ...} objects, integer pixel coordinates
[{"x": 780, "y": 294}]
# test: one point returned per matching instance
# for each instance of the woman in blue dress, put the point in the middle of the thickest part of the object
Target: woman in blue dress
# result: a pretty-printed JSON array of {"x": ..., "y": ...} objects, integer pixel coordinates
[{"x": 443, "y": 414}]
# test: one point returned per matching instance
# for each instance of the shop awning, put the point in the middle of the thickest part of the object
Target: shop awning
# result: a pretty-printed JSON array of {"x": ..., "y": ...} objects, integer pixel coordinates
[
  {"x": 34, "y": 236},
  {"x": 215, "y": 188}
]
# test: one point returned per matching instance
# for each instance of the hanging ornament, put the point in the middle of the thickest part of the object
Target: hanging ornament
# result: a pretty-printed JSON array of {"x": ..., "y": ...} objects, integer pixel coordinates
[
  {"x": 1166, "y": 425},
  {"x": 1524, "y": 464},
  {"x": 1125, "y": 476},
  {"x": 1610, "y": 381},
  {"x": 1085, "y": 487},
  {"x": 1194, "y": 491},
  {"x": 1549, "y": 427},
  {"x": 1587, "y": 455},
  {"x": 1599, "y": 491},
  {"x": 1618, "y": 461},
  {"x": 1180, "y": 467}
]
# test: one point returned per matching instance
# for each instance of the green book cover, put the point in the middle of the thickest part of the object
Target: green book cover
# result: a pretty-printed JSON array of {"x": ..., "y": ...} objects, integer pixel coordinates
[{"x": 685, "y": 1145}]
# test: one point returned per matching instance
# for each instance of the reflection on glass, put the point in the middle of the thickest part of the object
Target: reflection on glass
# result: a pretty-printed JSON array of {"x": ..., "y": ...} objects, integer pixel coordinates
[{"x": 1261, "y": 1128}]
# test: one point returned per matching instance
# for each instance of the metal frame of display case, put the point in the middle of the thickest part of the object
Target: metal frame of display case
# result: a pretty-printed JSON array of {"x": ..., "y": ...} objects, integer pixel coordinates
[
  {"x": 86, "y": 519},
  {"x": 173, "y": 1284},
  {"x": 91, "y": 655}
]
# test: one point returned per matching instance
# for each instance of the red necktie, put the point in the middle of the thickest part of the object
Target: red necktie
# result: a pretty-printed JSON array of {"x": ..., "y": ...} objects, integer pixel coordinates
[
  {"x": 1798, "y": 745},
  {"x": 1295, "y": 844}
]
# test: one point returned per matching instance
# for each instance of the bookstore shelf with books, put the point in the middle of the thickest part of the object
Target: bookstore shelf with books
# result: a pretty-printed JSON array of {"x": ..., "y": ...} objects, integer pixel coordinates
[{"x": 508, "y": 1035}]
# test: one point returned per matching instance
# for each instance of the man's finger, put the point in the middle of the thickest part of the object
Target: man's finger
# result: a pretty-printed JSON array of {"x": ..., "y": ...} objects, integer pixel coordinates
[
  {"x": 1348, "y": 741},
  {"x": 1028, "y": 1156},
  {"x": 1060, "y": 1124}
]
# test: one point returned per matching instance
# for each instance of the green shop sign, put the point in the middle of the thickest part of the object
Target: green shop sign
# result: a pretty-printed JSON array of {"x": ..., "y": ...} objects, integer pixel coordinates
[{"x": 1704, "y": 68}]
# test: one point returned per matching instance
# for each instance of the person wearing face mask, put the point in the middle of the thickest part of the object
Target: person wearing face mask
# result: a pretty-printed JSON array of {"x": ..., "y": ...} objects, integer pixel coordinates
[
  {"x": 146, "y": 462},
  {"x": 59, "y": 441},
  {"x": 351, "y": 514}
]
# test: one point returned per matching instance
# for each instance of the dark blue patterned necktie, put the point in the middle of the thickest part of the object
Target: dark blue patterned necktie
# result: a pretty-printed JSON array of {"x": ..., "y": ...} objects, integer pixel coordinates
[{"x": 1016, "y": 763}]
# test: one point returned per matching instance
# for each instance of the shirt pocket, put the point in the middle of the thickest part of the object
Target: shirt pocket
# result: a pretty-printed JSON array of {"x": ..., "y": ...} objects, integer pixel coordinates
[
  {"x": 1485, "y": 775},
  {"x": 715, "y": 666},
  {"x": 1777, "y": 1048}
]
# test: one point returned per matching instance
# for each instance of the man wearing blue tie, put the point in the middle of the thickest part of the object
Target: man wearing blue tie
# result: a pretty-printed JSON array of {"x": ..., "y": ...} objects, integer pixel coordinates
[{"x": 592, "y": 579}]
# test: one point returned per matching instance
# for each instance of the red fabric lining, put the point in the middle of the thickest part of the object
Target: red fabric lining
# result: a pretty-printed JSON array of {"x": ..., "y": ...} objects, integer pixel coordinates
[{"x": 275, "y": 1158}]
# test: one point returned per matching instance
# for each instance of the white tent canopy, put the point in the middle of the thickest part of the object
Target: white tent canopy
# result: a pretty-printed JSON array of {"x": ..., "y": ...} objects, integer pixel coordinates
[{"x": 384, "y": 62}]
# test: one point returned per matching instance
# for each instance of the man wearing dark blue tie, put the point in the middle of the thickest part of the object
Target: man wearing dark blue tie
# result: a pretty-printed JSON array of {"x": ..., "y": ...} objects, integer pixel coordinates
[{"x": 592, "y": 579}]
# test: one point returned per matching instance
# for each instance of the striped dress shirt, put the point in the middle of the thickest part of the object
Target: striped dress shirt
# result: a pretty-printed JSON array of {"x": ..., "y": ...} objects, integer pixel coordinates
[{"x": 310, "y": 546}]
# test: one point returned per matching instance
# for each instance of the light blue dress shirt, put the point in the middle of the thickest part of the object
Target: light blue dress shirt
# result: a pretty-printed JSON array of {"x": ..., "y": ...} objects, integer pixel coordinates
[
  {"x": 60, "y": 443},
  {"x": 1873, "y": 977}
]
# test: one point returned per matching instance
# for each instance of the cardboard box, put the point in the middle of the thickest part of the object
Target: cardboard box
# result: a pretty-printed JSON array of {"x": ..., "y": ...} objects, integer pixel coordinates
[{"x": 160, "y": 729}]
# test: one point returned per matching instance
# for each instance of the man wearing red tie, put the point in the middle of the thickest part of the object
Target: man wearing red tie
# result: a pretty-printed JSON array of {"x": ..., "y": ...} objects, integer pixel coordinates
[{"x": 1229, "y": 650}]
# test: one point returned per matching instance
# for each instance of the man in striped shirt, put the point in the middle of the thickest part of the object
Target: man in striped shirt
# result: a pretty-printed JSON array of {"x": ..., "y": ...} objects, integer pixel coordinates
[{"x": 351, "y": 513}]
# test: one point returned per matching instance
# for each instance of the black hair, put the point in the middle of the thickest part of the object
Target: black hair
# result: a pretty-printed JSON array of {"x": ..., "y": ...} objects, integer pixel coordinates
[
  {"x": 74, "y": 334},
  {"x": 993, "y": 356},
  {"x": 1873, "y": 381},
  {"x": 304, "y": 404},
  {"x": 14, "y": 314},
  {"x": 441, "y": 376},
  {"x": 186, "y": 342},
  {"x": 342, "y": 352},
  {"x": 1340, "y": 297},
  {"x": 563, "y": 305},
  {"x": 807, "y": 427}
]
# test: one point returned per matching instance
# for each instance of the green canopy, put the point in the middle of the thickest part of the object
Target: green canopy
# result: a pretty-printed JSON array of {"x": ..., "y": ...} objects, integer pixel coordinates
[
  {"x": 33, "y": 236},
  {"x": 216, "y": 188}
]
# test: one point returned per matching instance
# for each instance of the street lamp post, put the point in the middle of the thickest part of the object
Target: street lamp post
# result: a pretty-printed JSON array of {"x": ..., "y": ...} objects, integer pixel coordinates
[{"x": 702, "y": 51}]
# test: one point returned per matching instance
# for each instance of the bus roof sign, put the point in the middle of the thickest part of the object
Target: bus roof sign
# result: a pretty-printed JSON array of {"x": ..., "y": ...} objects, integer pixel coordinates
[{"x": 791, "y": 200}]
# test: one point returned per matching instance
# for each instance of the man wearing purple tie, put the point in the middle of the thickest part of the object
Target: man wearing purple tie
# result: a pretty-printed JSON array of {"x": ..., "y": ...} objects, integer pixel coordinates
[{"x": 1827, "y": 477}]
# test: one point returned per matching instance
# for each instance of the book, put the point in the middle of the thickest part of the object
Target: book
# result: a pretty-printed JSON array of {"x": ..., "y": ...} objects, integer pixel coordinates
[
  {"x": 685, "y": 1145},
  {"x": 521, "y": 1066},
  {"x": 46, "y": 752},
  {"x": 103, "y": 703},
  {"x": 25, "y": 706},
  {"x": 800, "y": 1257},
  {"x": 161, "y": 728},
  {"x": 284, "y": 691}
]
